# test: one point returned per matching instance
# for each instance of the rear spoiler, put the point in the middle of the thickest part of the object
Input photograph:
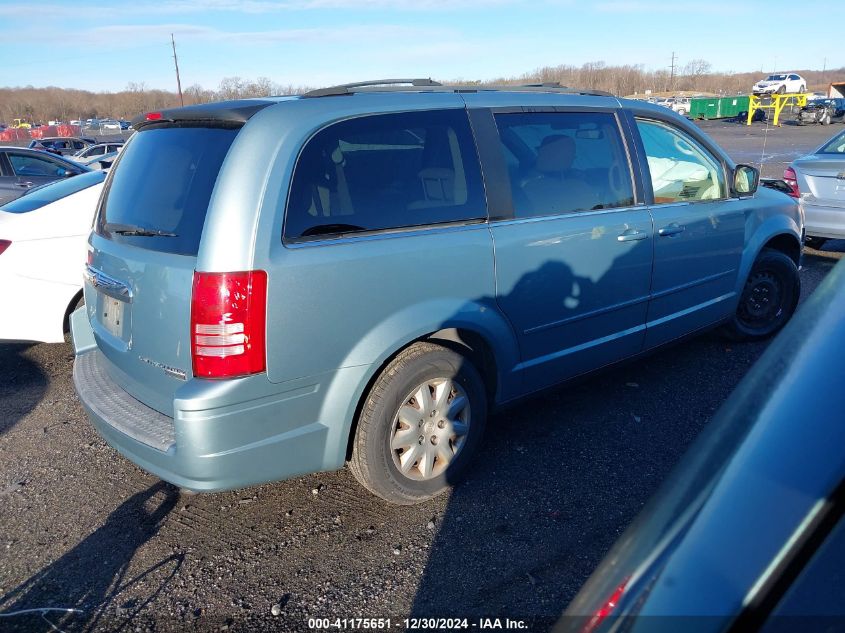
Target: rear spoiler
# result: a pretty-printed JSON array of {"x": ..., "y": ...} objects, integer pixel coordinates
[{"x": 223, "y": 113}]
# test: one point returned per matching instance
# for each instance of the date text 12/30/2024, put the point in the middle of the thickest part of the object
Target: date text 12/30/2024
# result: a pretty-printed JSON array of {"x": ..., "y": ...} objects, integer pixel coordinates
[{"x": 415, "y": 624}]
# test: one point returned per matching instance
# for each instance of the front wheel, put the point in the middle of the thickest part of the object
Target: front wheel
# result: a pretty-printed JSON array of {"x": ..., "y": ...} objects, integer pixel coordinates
[
  {"x": 420, "y": 424},
  {"x": 768, "y": 300}
]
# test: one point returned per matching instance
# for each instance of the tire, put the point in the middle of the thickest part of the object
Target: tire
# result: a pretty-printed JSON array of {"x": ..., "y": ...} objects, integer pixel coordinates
[
  {"x": 825, "y": 120},
  {"x": 802, "y": 89},
  {"x": 682, "y": 111},
  {"x": 782, "y": 90},
  {"x": 77, "y": 302},
  {"x": 815, "y": 242},
  {"x": 377, "y": 449},
  {"x": 768, "y": 299}
]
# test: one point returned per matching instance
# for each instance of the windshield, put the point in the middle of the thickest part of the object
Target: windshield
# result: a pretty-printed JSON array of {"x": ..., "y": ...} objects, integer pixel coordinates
[
  {"x": 775, "y": 77},
  {"x": 162, "y": 184},
  {"x": 37, "y": 197},
  {"x": 836, "y": 145}
]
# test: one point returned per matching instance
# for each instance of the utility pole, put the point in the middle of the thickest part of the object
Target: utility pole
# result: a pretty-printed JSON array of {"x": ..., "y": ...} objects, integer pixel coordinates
[
  {"x": 672, "y": 72},
  {"x": 176, "y": 62}
]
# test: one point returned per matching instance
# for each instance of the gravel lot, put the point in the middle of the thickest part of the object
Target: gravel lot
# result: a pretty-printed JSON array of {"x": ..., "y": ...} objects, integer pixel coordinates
[{"x": 558, "y": 479}]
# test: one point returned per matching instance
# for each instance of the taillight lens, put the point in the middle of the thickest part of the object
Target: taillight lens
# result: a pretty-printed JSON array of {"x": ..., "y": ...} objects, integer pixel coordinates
[
  {"x": 791, "y": 180},
  {"x": 606, "y": 609},
  {"x": 228, "y": 320},
  {"x": 4, "y": 244}
]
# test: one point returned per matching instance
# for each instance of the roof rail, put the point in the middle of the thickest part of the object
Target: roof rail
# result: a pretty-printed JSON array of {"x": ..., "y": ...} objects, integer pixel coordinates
[
  {"x": 345, "y": 89},
  {"x": 544, "y": 84}
]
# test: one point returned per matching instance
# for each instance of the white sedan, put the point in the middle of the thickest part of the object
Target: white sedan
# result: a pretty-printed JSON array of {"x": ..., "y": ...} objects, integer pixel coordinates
[
  {"x": 780, "y": 84},
  {"x": 98, "y": 155},
  {"x": 43, "y": 237}
]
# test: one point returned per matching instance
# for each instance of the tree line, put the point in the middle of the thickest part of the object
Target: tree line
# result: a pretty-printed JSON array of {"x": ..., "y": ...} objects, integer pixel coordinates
[{"x": 40, "y": 105}]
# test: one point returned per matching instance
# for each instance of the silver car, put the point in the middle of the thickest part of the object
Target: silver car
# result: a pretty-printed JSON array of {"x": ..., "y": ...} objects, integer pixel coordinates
[{"x": 818, "y": 182}]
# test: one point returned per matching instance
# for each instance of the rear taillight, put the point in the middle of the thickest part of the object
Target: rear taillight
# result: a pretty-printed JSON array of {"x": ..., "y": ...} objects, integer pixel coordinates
[
  {"x": 4, "y": 244},
  {"x": 605, "y": 609},
  {"x": 228, "y": 320},
  {"x": 792, "y": 180}
]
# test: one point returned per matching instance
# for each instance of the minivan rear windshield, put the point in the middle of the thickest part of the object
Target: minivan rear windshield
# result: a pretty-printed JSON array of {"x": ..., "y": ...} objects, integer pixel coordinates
[{"x": 162, "y": 185}]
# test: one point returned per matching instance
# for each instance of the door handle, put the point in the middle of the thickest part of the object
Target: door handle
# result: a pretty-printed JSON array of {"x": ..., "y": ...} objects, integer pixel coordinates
[
  {"x": 672, "y": 229},
  {"x": 632, "y": 235},
  {"x": 25, "y": 185}
]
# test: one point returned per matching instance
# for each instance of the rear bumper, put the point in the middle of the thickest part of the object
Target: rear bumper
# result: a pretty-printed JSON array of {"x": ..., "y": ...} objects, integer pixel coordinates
[
  {"x": 205, "y": 449},
  {"x": 824, "y": 221}
]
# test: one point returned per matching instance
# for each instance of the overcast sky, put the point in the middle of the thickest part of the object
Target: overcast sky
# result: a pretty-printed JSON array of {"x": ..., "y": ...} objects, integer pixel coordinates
[{"x": 104, "y": 46}]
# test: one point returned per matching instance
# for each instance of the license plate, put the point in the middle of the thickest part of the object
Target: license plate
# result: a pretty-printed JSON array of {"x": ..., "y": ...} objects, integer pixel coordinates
[{"x": 113, "y": 316}]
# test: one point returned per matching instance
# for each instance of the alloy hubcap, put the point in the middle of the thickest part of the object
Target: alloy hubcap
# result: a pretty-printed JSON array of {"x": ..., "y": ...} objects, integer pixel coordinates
[{"x": 430, "y": 428}]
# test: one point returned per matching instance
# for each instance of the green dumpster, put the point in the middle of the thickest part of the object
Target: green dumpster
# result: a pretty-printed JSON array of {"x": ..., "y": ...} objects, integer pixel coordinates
[
  {"x": 731, "y": 106},
  {"x": 718, "y": 107}
]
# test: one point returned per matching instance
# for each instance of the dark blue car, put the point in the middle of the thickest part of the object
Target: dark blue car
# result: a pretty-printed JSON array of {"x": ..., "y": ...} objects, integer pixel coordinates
[{"x": 748, "y": 534}]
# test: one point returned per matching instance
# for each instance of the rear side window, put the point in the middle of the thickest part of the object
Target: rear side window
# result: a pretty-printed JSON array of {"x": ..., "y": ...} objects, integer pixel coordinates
[
  {"x": 24, "y": 165},
  {"x": 38, "y": 197},
  {"x": 560, "y": 162},
  {"x": 836, "y": 145},
  {"x": 386, "y": 171},
  {"x": 163, "y": 184}
]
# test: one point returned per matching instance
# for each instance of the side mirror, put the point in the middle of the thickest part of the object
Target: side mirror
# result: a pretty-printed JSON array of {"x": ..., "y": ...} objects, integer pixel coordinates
[{"x": 746, "y": 180}]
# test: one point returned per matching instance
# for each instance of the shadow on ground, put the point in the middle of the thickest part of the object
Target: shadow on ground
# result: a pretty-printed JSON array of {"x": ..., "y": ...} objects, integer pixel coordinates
[
  {"x": 22, "y": 385},
  {"x": 103, "y": 558}
]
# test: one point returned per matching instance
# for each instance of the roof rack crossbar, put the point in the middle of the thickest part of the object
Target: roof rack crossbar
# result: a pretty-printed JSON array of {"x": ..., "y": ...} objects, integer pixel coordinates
[{"x": 345, "y": 89}]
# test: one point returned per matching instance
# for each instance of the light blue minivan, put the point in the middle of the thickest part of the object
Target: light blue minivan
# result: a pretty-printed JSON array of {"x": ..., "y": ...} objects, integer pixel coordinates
[{"x": 280, "y": 286}]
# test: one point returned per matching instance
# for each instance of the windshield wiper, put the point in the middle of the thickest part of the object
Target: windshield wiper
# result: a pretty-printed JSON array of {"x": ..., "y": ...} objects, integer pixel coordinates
[{"x": 132, "y": 229}]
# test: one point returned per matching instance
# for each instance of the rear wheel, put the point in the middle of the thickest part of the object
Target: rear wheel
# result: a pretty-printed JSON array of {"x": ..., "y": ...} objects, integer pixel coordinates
[
  {"x": 77, "y": 302},
  {"x": 420, "y": 425},
  {"x": 768, "y": 300}
]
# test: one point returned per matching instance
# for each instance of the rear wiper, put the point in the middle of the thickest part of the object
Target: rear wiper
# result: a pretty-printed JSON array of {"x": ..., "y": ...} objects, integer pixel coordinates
[{"x": 132, "y": 229}]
